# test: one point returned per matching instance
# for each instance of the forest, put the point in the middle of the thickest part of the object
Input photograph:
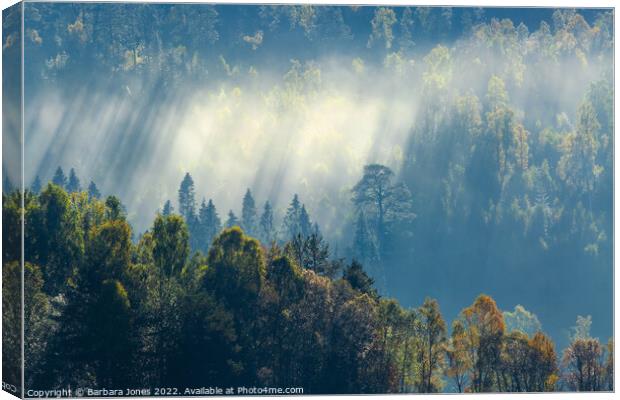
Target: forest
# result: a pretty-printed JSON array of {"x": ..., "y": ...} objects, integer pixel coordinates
[
  {"x": 286, "y": 195},
  {"x": 195, "y": 301}
]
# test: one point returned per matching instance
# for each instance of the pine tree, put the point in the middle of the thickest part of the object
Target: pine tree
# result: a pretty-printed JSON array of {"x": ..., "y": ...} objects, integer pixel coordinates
[
  {"x": 211, "y": 223},
  {"x": 296, "y": 220},
  {"x": 93, "y": 191},
  {"x": 305, "y": 226},
  {"x": 266, "y": 224},
  {"x": 74, "y": 182},
  {"x": 168, "y": 209},
  {"x": 232, "y": 220},
  {"x": 291, "y": 219},
  {"x": 59, "y": 178},
  {"x": 203, "y": 242},
  {"x": 36, "y": 185},
  {"x": 187, "y": 202},
  {"x": 248, "y": 214}
]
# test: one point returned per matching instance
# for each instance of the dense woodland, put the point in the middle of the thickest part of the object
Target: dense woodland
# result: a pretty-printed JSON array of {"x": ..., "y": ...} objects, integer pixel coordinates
[
  {"x": 502, "y": 183},
  {"x": 103, "y": 311}
]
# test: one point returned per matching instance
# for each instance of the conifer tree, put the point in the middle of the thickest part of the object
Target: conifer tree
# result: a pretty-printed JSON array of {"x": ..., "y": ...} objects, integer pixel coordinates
[
  {"x": 93, "y": 191},
  {"x": 210, "y": 221},
  {"x": 168, "y": 209},
  {"x": 248, "y": 214},
  {"x": 187, "y": 202},
  {"x": 74, "y": 182},
  {"x": 232, "y": 220},
  {"x": 266, "y": 224},
  {"x": 59, "y": 178}
]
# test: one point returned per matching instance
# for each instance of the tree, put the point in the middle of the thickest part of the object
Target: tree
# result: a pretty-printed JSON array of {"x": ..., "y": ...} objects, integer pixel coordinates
[
  {"x": 520, "y": 147},
  {"x": 584, "y": 365},
  {"x": 542, "y": 362},
  {"x": 317, "y": 255},
  {"x": 577, "y": 166},
  {"x": 108, "y": 251},
  {"x": 513, "y": 370},
  {"x": 59, "y": 238},
  {"x": 74, "y": 182},
  {"x": 38, "y": 325},
  {"x": 36, "y": 185},
  {"x": 267, "y": 234},
  {"x": 168, "y": 209},
  {"x": 291, "y": 222},
  {"x": 311, "y": 252},
  {"x": 358, "y": 279},
  {"x": 112, "y": 345},
  {"x": 83, "y": 350},
  {"x": 11, "y": 322},
  {"x": 248, "y": 214},
  {"x": 114, "y": 208},
  {"x": 609, "y": 366},
  {"x": 432, "y": 333},
  {"x": 59, "y": 178},
  {"x": 211, "y": 221},
  {"x": 484, "y": 328},
  {"x": 187, "y": 201},
  {"x": 93, "y": 191},
  {"x": 171, "y": 244},
  {"x": 305, "y": 226},
  {"x": 382, "y": 201},
  {"x": 236, "y": 277},
  {"x": 237, "y": 266},
  {"x": 458, "y": 359},
  {"x": 364, "y": 247},
  {"x": 232, "y": 220}
]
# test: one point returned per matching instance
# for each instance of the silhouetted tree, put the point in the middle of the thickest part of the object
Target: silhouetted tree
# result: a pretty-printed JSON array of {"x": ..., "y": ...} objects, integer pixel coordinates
[
  {"x": 168, "y": 209},
  {"x": 232, "y": 220},
  {"x": 74, "y": 182},
  {"x": 267, "y": 234},
  {"x": 59, "y": 178},
  {"x": 248, "y": 214}
]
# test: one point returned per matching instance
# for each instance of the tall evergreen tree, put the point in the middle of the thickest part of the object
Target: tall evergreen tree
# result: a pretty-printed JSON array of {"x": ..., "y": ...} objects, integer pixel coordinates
[
  {"x": 248, "y": 214},
  {"x": 59, "y": 178},
  {"x": 305, "y": 225},
  {"x": 187, "y": 201},
  {"x": 210, "y": 223},
  {"x": 291, "y": 219},
  {"x": 232, "y": 220},
  {"x": 168, "y": 209},
  {"x": 74, "y": 182},
  {"x": 93, "y": 191},
  {"x": 266, "y": 224}
]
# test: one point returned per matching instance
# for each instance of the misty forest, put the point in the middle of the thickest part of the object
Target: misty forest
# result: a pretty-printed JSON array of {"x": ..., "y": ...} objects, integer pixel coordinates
[{"x": 342, "y": 199}]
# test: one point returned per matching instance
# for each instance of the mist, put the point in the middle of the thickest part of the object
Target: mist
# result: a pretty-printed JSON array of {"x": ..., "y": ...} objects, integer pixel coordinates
[{"x": 297, "y": 110}]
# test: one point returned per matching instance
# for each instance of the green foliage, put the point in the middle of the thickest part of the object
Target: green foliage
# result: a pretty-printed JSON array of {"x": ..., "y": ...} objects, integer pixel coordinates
[
  {"x": 121, "y": 313},
  {"x": 236, "y": 267},
  {"x": 171, "y": 244}
]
